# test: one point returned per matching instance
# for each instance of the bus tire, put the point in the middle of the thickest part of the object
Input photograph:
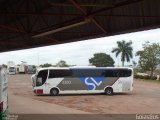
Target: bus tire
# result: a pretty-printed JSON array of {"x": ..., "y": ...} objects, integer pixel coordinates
[
  {"x": 54, "y": 92},
  {"x": 108, "y": 91}
]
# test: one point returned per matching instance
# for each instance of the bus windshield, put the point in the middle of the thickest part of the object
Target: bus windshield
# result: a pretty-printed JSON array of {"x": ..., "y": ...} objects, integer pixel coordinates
[
  {"x": 11, "y": 69},
  {"x": 41, "y": 77}
]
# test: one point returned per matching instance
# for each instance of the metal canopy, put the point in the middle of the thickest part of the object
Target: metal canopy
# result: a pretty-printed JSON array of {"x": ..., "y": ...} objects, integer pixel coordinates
[{"x": 33, "y": 23}]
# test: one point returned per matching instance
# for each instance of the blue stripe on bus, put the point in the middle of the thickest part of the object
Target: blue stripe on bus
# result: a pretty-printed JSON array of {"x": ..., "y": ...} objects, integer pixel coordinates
[
  {"x": 92, "y": 69},
  {"x": 92, "y": 82}
]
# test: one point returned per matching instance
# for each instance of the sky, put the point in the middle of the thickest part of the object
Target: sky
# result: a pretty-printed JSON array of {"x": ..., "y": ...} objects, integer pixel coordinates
[{"x": 79, "y": 53}]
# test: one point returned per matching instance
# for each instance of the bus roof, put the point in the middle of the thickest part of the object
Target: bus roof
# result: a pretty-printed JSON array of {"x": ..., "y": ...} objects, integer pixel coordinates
[
  {"x": 46, "y": 68},
  {"x": 101, "y": 68},
  {"x": 74, "y": 68},
  {"x": 11, "y": 66}
]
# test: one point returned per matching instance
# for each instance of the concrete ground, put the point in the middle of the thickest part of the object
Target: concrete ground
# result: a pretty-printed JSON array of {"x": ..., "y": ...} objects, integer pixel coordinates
[{"x": 144, "y": 99}]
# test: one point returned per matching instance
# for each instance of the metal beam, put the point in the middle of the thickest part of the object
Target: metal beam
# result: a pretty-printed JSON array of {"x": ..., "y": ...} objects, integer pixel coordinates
[
  {"x": 10, "y": 42},
  {"x": 64, "y": 23},
  {"x": 70, "y": 14},
  {"x": 83, "y": 5},
  {"x": 36, "y": 14},
  {"x": 120, "y": 4},
  {"x": 127, "y": 2},
  {"x": 85, "y": 33},
  {"x": 129, "y": 16},
  {"x": 61, "y": 29},
  {"x": 11, "y": 28},
  {"x": 90, "y": 17}
]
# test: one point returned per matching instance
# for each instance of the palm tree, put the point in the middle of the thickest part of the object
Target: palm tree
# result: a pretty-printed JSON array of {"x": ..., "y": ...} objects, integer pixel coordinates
[{"x": 125, "y": 49}]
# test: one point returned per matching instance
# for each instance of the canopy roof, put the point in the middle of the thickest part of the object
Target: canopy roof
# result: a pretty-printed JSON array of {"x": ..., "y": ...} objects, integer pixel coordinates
[{"x": 33, "y": 23}]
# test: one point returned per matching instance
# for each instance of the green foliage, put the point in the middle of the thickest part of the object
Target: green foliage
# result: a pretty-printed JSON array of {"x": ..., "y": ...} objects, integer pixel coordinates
[
  {"x": 154, "y": 78},
  {"x": 125, "y": 49},
  {"x": 149, "y": 57},
  {"x": 142, "y": 77},
  {"x": 136, "y": 70},
  {"x": 146, "y": 77},
  {"x": 34, "y": 68},
  {"x": 62, "y": 63},
  {"x": 134, "y": 63},
  {"x": 46, "y": 65},
  {"x": 101, "y": 60},
  {"x": 4, "y": 65}
]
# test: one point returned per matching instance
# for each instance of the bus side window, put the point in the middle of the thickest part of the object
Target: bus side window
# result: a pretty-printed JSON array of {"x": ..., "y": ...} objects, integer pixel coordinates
[
  {"x": 109, "y": 73},
  {"x": 125, "y": 73},
  {"x": 128, "y": 73},
  {"x": 51, "y": 74},
  {"x": 59, "y": 73}
]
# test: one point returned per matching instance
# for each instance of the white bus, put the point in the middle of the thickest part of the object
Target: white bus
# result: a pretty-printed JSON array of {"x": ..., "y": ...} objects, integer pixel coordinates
[
  {"x": 3, "y": 92},
  {"x": 106, "y": 80},
  {"x": 12, "y": 70}
]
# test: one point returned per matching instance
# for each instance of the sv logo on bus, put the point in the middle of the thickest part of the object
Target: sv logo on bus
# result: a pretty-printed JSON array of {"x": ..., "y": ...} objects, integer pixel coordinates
[{"x": 91, "y": 82}]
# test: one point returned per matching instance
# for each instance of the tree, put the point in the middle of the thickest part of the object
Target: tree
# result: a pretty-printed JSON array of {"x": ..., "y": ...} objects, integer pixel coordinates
[
  {"x": 46, "y": 65},
  {"x": 34, "y": 68},
  {"x": 134, "y": 63},
  {"x": 149, "y": 57},
  {"x": 125, "y": 49},
  {"x": 101, "y": 60},
  {"x": 4, "y": 65},
  {"x": 62, "y": 63}
]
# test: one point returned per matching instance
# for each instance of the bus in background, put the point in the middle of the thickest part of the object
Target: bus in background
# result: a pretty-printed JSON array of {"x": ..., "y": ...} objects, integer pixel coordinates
[
  {"x": 12, "y": 70},
  {"x": 106, "y": 80},
  {"x": 3, "y": 93},
  {"x": 30, "y": 69},
  {"x": 23, "y": 67}
]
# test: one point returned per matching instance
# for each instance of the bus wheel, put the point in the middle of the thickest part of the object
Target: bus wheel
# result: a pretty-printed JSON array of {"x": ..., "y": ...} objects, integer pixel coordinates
[
  {"x": 108, "y": 91},
  {"x": 54, "y": 92}
]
